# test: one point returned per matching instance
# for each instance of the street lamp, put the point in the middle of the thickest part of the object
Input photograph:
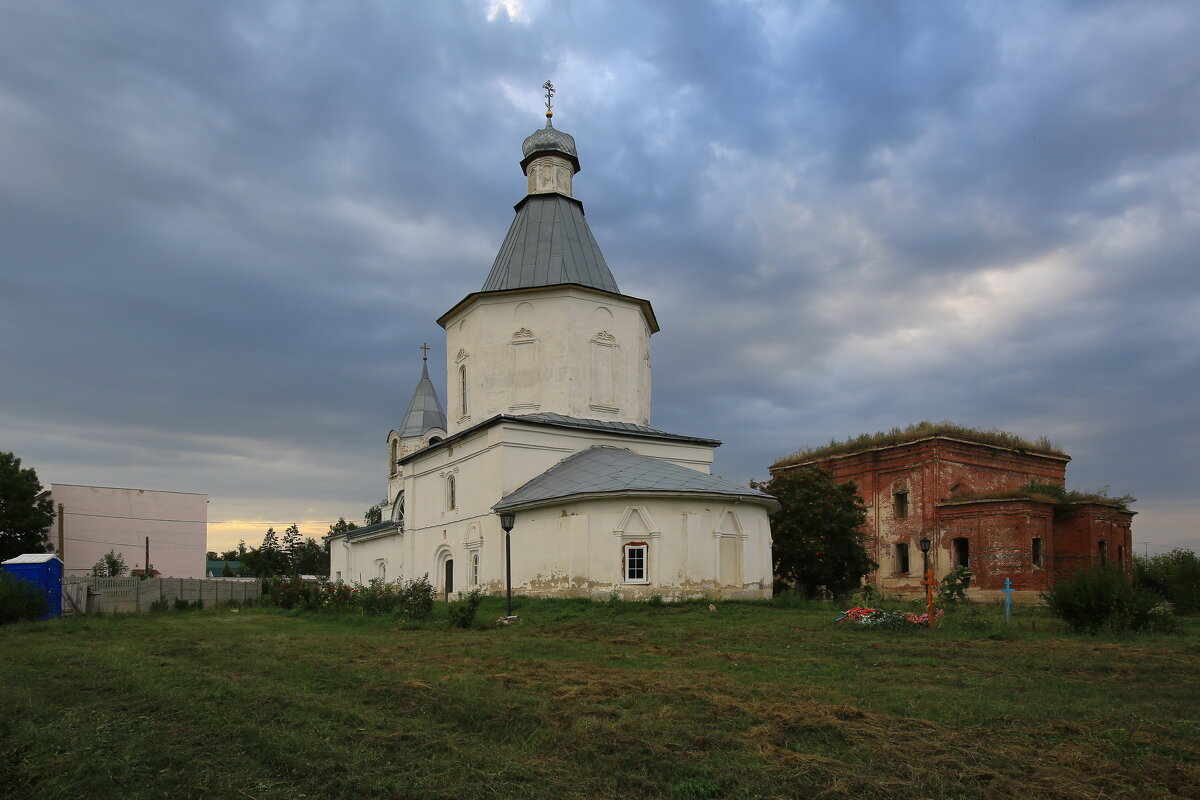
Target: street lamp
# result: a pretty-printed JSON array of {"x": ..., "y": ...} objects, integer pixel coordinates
[
  {"x": 507, "y": 520},
  {"x": 928, "y": 581}
]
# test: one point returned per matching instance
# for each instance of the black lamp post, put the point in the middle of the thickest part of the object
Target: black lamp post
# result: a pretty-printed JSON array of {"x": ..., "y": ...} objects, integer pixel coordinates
[
  {"x": 925, "y": 552},
  {"x": 507, "y": 520}
]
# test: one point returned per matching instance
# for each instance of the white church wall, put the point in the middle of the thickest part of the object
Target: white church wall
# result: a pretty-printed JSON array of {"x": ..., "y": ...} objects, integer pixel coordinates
[
  {"x": 362, "y": 561},
  {"x": 566, "y": 552},
  {"x": 572, "y": 352},
  {"x": 576, "y": 549}
]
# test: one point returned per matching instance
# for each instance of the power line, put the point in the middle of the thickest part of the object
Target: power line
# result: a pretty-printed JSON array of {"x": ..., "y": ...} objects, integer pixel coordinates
[
  {"x": 155, "y": 542},
  {"x": 1166, "y": 546},
  {"x": 143, "y": 519}
]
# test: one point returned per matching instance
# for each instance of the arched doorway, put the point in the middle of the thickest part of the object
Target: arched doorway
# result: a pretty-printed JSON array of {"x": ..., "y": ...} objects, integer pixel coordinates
[{"x": 443, "y": 576}]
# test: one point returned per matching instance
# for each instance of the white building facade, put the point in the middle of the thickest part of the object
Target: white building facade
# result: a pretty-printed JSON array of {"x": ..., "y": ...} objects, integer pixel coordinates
[
  {"x": 93, "y": 520},
  {"x": 548, "y": 375}
]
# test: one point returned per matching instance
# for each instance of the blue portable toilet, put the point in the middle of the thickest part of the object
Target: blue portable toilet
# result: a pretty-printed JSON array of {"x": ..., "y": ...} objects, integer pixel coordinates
[{"x": 43, "y": 570}]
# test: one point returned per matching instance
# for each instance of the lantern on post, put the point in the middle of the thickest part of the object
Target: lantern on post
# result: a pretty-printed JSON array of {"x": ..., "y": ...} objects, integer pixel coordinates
[{"x": 508, "y": 519}]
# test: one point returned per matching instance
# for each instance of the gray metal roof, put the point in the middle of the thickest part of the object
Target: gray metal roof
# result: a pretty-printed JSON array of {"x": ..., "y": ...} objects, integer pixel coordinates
[
  {"x": 558, "y": 420},
  {"x": 387, "y": 526},
  {"x": 609, "y": 426},
  {"x": 549, "y": 243},
  {"x": 603, "y": 469},
  {"x": 424, "y": 410}
]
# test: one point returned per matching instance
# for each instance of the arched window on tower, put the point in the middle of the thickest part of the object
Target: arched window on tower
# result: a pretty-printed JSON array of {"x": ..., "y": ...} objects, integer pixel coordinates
[
  {"x": 451, "y": 494},
  {"x": 393, "y": 456},
  {"x": 398, "y": 511},
  {"x": 462, "y": 387}
]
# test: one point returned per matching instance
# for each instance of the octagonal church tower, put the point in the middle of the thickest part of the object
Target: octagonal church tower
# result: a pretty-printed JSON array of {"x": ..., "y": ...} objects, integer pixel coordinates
[{"x": 550, "y": 331}]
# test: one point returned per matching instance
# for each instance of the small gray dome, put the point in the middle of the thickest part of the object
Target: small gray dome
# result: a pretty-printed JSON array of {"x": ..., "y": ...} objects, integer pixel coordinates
[{"x": 549, "y": 139}]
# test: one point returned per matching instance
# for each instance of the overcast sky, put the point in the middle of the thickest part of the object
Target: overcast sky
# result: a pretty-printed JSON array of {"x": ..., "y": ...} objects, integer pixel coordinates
[{"x": 225, "y": 228}]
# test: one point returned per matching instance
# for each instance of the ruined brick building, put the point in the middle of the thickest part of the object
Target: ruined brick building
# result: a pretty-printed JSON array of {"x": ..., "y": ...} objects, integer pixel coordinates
[{"x": 989, "y": 501}]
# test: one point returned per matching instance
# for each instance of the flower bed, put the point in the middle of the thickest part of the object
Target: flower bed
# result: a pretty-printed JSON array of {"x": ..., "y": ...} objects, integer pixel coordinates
[{"x": 878, "y": 618}]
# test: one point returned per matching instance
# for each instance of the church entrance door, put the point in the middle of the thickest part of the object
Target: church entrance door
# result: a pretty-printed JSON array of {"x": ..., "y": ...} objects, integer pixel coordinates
[{"x": 449, "y": 583}]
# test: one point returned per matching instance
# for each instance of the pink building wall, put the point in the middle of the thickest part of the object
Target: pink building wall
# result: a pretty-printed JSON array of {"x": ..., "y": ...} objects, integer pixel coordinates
[{"x": 97, "y": 519}]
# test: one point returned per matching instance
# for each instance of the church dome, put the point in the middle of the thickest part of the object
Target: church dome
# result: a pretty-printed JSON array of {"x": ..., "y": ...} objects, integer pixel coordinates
[{"x": 548, "y": 140}]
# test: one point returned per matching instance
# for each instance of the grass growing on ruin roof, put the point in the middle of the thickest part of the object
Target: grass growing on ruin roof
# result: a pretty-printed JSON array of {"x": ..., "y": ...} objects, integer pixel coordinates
[
  {"x": 912, "y": 433},
  {"x": 593, "y": 700},
  {"x": 1061, "y": 499}
]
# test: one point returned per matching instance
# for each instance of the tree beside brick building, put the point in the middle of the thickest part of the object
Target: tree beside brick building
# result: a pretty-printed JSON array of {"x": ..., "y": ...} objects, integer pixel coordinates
[{"x": 990, "y": 501}]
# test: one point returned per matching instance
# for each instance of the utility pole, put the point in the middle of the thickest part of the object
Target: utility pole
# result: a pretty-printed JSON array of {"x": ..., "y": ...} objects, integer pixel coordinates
[
  {"x": 61, "y": 554},
  {"x": 146, "y": 569}
]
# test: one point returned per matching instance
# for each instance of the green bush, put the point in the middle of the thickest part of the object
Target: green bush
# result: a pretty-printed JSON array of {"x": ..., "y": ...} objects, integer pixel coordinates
[
  {"x": 1175, "y": 576},
  {"x": 19, "y": 600},
  {"x": 955, "y": 584},
  {"x": 378, "y": 598},
  {"x": 462, "y": 611},
  {"x": 416, "y": 601},
  {"x": 291, "y": 593},
  {"x": 1103, "y": 598},
  {"x": 159, "y": 606}
]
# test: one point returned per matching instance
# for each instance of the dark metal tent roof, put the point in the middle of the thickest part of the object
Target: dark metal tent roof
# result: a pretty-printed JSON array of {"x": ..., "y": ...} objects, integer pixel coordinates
[{"x": 549, "y": 243}]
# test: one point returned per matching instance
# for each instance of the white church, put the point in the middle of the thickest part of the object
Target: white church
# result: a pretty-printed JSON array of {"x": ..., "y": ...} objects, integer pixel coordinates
[{"x": 548, "y": 372}]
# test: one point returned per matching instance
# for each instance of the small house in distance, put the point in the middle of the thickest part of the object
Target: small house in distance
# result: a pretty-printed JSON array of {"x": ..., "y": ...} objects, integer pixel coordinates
[{"x": 987, "y": 500}]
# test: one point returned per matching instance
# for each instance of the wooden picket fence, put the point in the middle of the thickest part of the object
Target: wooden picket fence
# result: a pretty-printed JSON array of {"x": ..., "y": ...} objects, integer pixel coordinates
[{"x": 125, "y": 595}]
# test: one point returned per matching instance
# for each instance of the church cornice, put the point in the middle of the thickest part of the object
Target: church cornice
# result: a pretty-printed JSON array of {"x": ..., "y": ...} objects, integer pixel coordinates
[
  {"x": 647, "y": 309},
  {"x": 598, "y": 426},
  {"x": 755, "y": 499}
]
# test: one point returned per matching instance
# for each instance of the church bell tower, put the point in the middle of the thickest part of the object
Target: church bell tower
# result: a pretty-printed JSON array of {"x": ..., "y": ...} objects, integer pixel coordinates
[{"x": 549, "y": 332}]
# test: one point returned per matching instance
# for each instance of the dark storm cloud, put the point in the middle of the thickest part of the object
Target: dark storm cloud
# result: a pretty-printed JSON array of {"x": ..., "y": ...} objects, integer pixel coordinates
[{"x": 225, "y": 227}]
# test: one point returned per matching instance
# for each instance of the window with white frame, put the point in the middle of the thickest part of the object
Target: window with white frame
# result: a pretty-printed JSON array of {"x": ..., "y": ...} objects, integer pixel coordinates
[
  {"x": 451, "y": 494},
  {"x": 635, "y": 562},
  {"x": 475, "y": 569}
]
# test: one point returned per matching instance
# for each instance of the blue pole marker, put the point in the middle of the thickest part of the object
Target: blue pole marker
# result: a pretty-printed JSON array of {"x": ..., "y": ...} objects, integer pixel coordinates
[{"x": 1008, "y": 590}]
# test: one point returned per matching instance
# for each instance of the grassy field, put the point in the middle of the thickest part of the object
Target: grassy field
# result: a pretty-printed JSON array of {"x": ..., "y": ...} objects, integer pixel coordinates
[{"x": 587, "y": 700}]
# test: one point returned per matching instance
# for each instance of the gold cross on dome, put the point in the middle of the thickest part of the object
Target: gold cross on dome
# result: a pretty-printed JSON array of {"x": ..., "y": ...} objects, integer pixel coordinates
[
  {"x": 425, "y": 348},
  {"x": 549, "y": 87}
]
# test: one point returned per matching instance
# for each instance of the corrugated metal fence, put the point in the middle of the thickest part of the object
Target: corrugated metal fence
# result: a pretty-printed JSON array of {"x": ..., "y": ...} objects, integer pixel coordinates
[{"x": 111, "y": 595}]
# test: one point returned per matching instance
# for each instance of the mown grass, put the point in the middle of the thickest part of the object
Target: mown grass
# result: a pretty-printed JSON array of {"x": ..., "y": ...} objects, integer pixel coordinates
[{"x": 588, "y": 700}]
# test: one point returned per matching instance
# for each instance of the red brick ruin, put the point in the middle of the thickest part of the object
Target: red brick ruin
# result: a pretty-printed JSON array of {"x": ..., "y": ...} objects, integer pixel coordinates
[{"x": 965, "y": 496}]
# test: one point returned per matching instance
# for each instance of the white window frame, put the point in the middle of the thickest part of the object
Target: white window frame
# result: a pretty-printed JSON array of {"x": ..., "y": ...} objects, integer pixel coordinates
[
  {"x": 451, "y": 493},
  {"x": 626, "y": 550},
  {"x": 474, "y": 564}
]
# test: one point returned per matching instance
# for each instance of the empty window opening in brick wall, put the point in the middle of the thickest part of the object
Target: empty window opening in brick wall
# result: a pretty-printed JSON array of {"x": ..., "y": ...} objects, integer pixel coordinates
[
  {"x": 1104, "y": 554},
  {"x": 902, "y": 558},
  {"x": 1037, "y": 552},
  {"x": 900, "y": 505},
  {"x": 1121, "y": 556},
  {"x": 962, "y": 552}
]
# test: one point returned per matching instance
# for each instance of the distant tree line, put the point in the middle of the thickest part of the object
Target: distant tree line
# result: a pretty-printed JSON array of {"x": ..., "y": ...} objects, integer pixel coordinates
[{"x": 289, "y": 555}]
